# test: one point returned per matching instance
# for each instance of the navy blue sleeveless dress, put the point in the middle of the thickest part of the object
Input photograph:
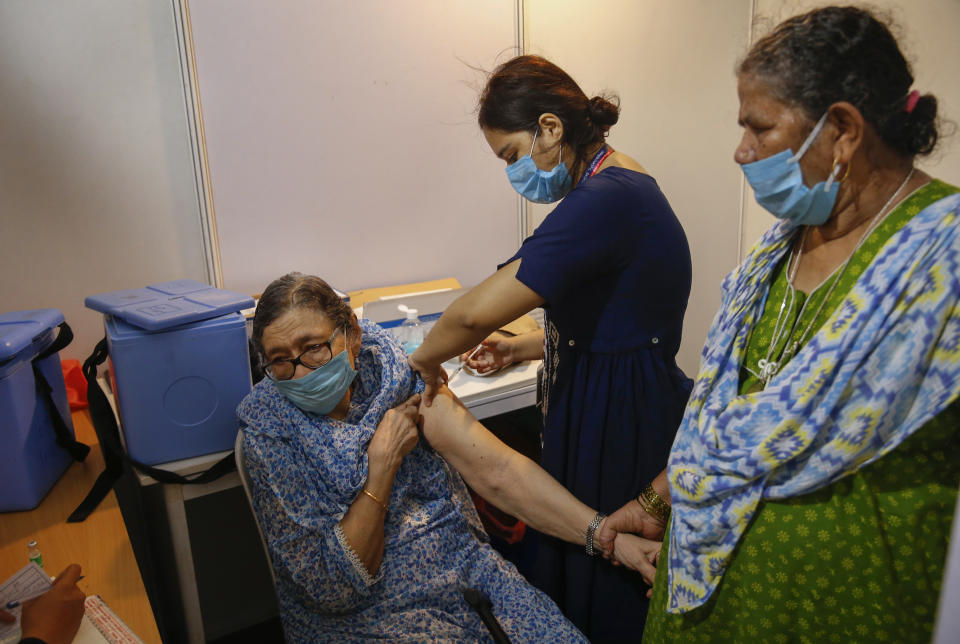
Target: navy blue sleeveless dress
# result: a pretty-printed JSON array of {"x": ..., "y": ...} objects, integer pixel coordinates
[{"x": 613, "y": 264}]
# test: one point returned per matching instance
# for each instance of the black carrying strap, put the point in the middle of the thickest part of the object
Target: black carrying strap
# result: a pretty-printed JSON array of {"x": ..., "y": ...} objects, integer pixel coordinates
[
  {"x": 65, "y": 439},
  {"x": 114, "y": 456}
]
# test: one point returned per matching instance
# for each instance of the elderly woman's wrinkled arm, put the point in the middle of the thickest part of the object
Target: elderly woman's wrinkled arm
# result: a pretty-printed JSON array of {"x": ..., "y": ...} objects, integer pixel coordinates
[{"x": 501, "y": 475}]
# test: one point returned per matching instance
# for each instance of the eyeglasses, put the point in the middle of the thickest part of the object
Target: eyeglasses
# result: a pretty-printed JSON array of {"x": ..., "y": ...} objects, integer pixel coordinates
[{"x": 313, "y": 357}]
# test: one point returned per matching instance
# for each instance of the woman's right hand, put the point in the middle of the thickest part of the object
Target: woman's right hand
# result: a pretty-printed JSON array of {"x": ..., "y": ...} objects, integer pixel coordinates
[
  {"x": 630, "y": 518},
  {"x": 55, "y": 616},
  {"x": 496, "y": 352},
  {"x": 433, "y": 377},
  {"x": 395, "y": 437}
]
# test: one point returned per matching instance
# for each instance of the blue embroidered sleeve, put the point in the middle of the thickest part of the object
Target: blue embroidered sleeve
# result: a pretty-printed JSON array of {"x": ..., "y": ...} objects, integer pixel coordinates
[{"x": 302, "y": 536}]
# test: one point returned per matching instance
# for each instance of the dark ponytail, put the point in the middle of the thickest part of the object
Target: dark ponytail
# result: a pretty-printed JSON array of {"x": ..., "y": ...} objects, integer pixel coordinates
[
  {"x": 523, "y": 88},
  {"x": 846, "y": 54}
]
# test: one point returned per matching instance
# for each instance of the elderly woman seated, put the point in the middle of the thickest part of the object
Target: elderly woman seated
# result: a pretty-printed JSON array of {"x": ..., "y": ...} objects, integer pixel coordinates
[{"x": 371, "y": 533}]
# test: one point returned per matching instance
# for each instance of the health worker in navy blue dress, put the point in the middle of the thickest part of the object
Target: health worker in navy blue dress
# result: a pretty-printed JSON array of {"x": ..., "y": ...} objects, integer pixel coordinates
[{"x": 611, "y": 267}]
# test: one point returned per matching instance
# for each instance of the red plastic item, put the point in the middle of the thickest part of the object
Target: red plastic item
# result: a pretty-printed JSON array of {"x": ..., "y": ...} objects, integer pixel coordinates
[
  {"x": 496, "y": 522},
  {"x": 76, "y": 384}
]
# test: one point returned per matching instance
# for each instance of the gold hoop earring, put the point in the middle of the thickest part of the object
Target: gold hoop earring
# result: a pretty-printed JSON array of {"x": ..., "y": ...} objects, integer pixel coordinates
[{"x": 846, "y": 174}]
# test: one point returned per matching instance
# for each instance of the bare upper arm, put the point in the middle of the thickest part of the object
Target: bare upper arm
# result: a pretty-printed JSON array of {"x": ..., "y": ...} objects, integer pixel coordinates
[{"x": 480, "y": 457}]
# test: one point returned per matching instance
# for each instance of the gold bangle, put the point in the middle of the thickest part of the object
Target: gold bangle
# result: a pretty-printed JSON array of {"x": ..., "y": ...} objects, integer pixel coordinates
[
  {"x": 374, "y": 497},
  {"x": 651, "y": 502}
]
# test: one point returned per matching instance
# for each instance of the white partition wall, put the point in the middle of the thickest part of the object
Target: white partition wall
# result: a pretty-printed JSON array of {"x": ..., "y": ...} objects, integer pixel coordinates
[
  {"x": 671, "y": 63},
  {"x": 342, "y": 139},
  {"x": 97, "y": 188}
]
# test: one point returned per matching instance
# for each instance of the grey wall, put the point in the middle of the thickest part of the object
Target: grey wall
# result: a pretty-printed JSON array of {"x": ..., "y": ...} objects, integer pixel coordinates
[{"x": 96, "y": 179}]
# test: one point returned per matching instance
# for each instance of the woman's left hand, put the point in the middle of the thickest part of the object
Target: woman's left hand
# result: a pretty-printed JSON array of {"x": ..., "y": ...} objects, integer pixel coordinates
[
  {"x": 637, "y": 553},
  {"x": 433, "y": 376}
]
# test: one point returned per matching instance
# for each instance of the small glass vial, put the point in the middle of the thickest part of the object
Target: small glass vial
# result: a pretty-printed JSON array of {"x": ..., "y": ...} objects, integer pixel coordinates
[{"x": 33, "y": 553}]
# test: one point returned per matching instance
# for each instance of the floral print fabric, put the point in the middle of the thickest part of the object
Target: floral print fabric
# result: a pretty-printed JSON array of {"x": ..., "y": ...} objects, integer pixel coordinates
[{"x": 306, "y": 471}]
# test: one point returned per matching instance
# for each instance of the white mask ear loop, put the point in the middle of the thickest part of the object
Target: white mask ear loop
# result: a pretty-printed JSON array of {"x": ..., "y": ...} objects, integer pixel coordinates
[
  {"x": 810, "y": 139},
  {"x": 831, "y": 178},
  {"x": 559, "y": 156}
]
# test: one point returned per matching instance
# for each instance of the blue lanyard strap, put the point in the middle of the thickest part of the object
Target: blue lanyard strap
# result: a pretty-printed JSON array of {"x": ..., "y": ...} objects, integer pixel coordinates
[{"x": 598, "y": 158}]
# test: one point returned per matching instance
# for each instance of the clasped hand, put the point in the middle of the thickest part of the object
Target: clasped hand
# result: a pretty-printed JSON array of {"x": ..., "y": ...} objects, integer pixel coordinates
[{"x": 639, "y": 553}]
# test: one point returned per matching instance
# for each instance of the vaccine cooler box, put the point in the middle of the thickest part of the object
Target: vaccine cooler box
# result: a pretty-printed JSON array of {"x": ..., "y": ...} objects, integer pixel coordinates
[
  {"x": 30, "y": 459},
  {"x": 180, "y": 367}
]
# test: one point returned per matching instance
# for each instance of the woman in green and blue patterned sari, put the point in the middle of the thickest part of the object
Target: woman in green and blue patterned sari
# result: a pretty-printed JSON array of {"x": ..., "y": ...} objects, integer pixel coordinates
[{"x": 814, "y": 476}]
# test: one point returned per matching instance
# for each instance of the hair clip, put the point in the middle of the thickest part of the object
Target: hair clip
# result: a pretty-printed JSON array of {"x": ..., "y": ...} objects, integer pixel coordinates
[{"x": 912, "y": 99}]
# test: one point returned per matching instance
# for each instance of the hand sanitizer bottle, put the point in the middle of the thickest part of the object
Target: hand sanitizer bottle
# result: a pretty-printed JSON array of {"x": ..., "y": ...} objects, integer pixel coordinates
[{"x": 411, "y": 331}]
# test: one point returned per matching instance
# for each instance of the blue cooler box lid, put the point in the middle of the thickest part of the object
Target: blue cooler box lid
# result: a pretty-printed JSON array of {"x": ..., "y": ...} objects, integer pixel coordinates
[
  {"x": 19, "y": 329},
  {"x": 161, "y": 306}
]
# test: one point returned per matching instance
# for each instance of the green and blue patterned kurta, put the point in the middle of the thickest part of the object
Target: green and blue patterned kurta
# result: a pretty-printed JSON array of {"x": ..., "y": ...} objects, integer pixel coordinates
[{"x": 858, "y": 560}]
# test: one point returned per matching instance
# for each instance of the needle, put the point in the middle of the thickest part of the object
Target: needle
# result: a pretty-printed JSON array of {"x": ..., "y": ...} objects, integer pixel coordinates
[{"x": 463, "y": 362}]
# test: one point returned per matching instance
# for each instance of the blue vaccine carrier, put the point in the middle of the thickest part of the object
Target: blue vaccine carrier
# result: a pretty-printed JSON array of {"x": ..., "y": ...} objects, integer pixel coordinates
[
  {"x": 180, "y": 367},
  {"x": 30, "y": 459}
]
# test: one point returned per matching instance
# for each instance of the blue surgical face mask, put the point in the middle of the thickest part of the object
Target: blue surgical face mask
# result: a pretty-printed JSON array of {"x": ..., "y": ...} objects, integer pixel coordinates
[
  {"x": 777, "y": 183},
  {"x": 322, "y": 389},
  {"x": 539, "y": 186}
]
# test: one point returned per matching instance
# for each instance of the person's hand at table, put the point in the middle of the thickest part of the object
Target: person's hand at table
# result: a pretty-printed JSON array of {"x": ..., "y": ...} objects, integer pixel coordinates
[
  {"x": 495, "y": 352},
  {"x": 639, "y": 554},
  {"x": 629, "y": 518},
  {"x": 54, "y": 617}
]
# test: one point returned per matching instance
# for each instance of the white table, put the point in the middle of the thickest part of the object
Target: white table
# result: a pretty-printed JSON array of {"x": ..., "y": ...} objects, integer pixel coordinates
[{"x": 511, "y": 389}]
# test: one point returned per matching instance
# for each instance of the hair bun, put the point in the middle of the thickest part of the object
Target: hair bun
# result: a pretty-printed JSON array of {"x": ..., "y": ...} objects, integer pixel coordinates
[
  {"x": 603, "y": 111},
  {"x": 912, "y": 132},
  {"x": 920, "y": 129}
]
